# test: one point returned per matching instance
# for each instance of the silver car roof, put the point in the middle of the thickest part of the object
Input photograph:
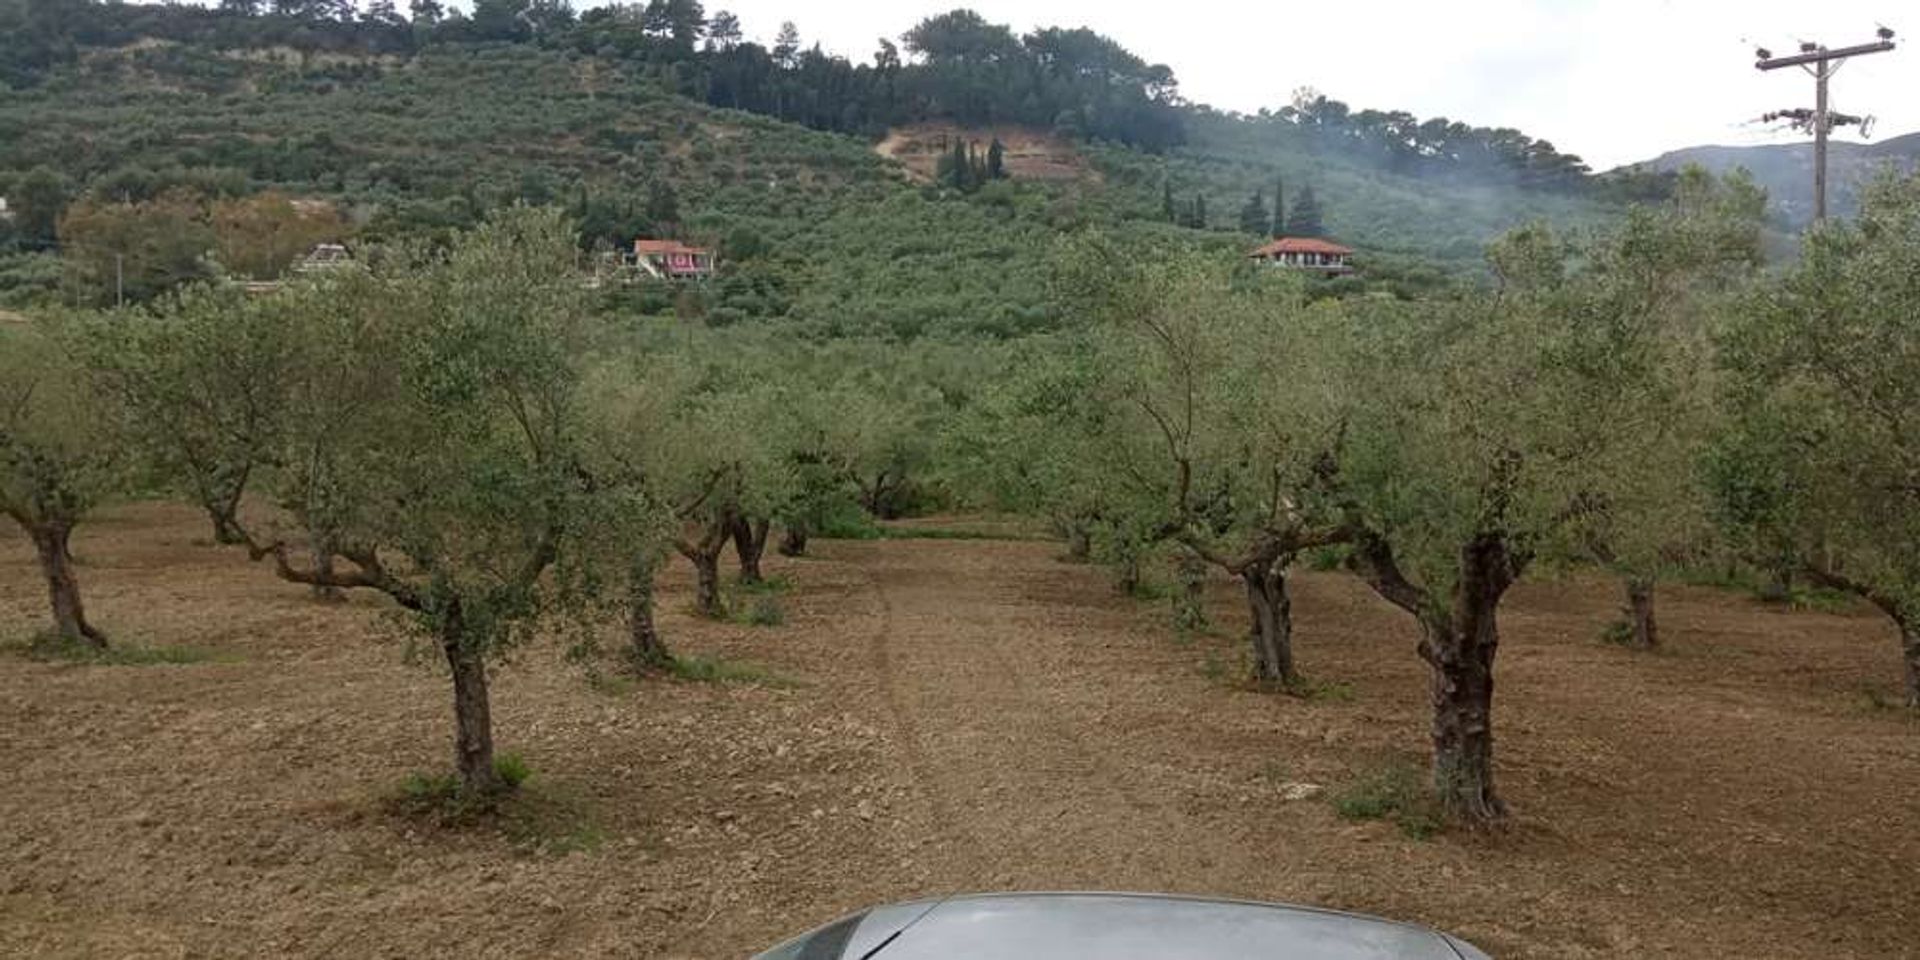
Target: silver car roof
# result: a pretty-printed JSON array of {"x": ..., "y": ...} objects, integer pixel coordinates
[{"x": 1131, "y": 926}]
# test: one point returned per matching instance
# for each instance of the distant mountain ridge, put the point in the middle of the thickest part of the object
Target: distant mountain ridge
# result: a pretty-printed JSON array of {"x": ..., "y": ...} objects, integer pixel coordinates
[{"x": 1786, "y": 170}]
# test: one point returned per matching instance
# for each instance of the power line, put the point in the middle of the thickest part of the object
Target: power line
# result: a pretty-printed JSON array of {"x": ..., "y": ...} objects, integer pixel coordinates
[{"x": 1822, "y": 64}]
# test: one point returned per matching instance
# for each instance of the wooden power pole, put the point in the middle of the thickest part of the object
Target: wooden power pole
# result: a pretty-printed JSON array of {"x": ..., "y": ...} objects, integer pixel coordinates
[{"x": 1822, "y": 63}]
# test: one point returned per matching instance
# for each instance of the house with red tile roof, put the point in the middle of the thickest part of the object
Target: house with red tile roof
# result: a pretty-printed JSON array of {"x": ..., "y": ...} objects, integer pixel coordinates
[
  {"x": 672, "y": 260},
  {"x": 1306, "y": 253}
]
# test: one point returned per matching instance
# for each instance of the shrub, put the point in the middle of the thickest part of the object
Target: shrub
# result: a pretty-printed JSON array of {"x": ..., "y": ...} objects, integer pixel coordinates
[
  {"x": 512, "y": 769},
  {"x": 1393, "y": 792}
]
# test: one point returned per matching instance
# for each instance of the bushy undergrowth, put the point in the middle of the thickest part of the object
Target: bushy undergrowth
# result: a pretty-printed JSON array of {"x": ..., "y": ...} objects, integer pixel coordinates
[{"x": 1396, "y": 792}]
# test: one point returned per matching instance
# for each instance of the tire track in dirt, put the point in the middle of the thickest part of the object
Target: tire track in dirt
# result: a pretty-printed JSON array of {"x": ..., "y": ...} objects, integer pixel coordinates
[{"x": 1000, "y": 719}]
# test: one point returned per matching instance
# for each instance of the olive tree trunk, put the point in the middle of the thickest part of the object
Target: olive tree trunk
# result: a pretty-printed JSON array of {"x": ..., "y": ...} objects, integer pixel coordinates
[
  {"x": 793, "y": 540},
  {"x": 1079, "y": 543},
  {"x": 472, "y": 711},
  {"x": 1190, "y": 600},
  {"x": 1458, "y": 642},
  {"x": 750, "y": 544},
  {"x": 1272, "y": 615},
  {"x": 1910, "y": 649},
  {"x": 226, "y": 524},
  {"x": 647, "y": 649},
  {"x": 1460, "y": 649},
  {"x": 323, "y": 587},
  {"x": 1646, "y": 634},
  {"x": 704, "y": 554},
  {"x": 51, "y": 542}
]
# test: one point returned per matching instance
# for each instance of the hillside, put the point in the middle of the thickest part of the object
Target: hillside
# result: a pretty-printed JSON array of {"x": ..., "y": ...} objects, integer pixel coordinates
[
  {"x": 1786, "y": 170},
  {"x": 828, "y": 218}
]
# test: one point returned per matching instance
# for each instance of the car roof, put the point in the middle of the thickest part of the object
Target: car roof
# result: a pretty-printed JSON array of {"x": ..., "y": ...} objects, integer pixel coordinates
[{"x": 1132, "y": 926}]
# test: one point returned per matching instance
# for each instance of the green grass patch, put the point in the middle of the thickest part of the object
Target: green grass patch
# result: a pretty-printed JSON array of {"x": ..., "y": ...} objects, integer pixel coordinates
[
  {"x": 765, "y": 585},
  {"x": 539, "y": 821},
  {"x": 1397, "y": 792},
  {"x": 1321, "y": 691},
  {"x": 1617, "y": 632},
  {"x": 758, "y": 610},
  {"x": 701, "y": 669},
  {"x": 53, "y": 648}
]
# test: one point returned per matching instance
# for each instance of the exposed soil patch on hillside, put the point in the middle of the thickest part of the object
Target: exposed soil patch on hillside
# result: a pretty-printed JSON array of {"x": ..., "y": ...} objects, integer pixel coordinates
[
  {"x": 1030, "y": 154},
  {"x": 964, "y": 714}
]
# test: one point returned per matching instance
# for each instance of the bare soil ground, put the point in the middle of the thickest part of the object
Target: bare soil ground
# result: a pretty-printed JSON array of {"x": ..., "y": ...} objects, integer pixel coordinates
[
  {"x": 1030, "y": 154},
  {"x": 964, "y": 715}
]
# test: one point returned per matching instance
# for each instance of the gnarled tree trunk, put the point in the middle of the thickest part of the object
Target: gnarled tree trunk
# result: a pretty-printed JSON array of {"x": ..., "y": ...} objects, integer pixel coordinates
[
  {"x": 1905, "y": 617},
  {"x": 704, "y": 554},
  {"x": 1910, "y": 650},
  {"x": 1460, "y": 649},
  {"x": 1640, "y": 612},
  {"x": 1272, "y": 613},
  {"x": 51, "y": 542},
  {"x": 1190, "y": 600},
  {"x": 706, "y": 597},
  {"x": 1458, "y": 642},
  {"x": 1079, "y": 542},
  {"x": 226, "y": 525},
  {"x": 472, "y": 711},
  {"x": 649, "y": 652},
  {"x": 323, "y": 588},
  {"x": 793, "y": 540},
  {"x": 750, "y": 544}
]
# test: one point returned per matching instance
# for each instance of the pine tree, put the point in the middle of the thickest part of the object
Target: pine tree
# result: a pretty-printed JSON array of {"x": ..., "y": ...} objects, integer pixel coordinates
[
  {"x": 1279, "y": 208},
  {"x": 996, "y": 160},
  {"x": 1305, "y": 221},
  {"x": 786, "y": 45},
  {"x": 1253, "y": 216},
  {"x": 1199, "y": 212},
  {"x": 1167, "y": 211}
]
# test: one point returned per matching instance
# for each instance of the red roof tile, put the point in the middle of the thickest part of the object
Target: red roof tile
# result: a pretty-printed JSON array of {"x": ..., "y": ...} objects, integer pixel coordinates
[
  {"x": 1300, "y": 245},
  {"x": 665, "y": 246}
]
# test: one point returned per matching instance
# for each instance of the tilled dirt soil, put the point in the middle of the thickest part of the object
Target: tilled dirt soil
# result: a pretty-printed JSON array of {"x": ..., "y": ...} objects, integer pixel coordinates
[{"x": 964, "y": 715}]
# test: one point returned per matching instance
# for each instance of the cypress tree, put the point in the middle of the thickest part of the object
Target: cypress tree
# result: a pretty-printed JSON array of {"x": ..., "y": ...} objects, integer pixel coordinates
[
  {"x": 961, "y": 166},
  {"x": 1253, "y": 216},
  {"x": 1279, "y": 208},
  {"x": 1199, "y": 211},
  {"x": 1167, "y": 211},
  {"x": 1305, "y": 221},
  {"x": 996, "y": 160}
]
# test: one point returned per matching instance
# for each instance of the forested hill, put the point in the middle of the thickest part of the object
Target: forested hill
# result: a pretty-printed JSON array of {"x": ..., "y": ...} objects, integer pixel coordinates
[
  {"x": 1786, "y": 169},
  {"x": 659, "y": 119}
]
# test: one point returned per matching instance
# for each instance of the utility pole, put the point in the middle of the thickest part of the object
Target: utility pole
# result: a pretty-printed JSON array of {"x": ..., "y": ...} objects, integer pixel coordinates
[{"x": 1822, "y": 64}]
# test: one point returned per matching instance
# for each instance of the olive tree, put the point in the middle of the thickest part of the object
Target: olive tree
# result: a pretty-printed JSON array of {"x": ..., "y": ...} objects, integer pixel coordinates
[
  {"x": 433, "y": 435},
  {"x": 198, "y": 376},
  {"x": 1476, "y": 430},
  {"x": 1822, "y": 467},
  {"x": 706, "y": 443},
  {"x": 1652, "y": 289},
  {"x": 61, "y": 454},
  {"x": 1222, "y": 423}
]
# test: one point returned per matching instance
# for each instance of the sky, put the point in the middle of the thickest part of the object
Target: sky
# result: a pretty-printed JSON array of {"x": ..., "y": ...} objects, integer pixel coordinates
[{"x": 1615, "y": 81}]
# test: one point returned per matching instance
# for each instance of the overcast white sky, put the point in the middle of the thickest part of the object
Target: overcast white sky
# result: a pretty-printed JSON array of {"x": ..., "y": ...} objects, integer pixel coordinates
[{"x": 1612, "y": 80}]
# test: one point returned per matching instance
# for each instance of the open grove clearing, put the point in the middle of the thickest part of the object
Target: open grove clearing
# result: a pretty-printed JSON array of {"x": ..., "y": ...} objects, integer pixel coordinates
[{"x": 965, "y": 714}]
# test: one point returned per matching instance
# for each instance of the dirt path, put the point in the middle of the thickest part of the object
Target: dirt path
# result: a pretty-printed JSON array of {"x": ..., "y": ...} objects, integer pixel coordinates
[
  {"x": 959, "y": 715},
  {"x": 1002, "y": 729}
]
